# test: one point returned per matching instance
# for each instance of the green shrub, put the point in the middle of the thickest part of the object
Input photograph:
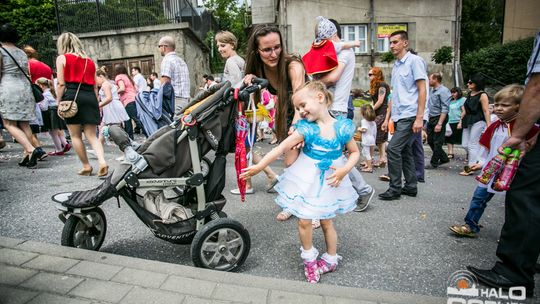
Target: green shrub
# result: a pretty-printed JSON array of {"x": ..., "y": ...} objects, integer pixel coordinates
[
  {"x": 358, "y": 102},
  {"x": 443, "y": 55},
  {"x": 387, "y": 57},
  {"x": 506, "y": 63}
]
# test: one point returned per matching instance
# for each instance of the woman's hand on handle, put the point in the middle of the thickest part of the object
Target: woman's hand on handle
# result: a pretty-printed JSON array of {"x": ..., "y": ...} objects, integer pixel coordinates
[{"x": 248, "y": 78}]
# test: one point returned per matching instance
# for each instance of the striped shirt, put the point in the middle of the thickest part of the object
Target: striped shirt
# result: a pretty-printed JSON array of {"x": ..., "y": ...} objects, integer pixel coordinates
[{"x": 176, "y": 69}]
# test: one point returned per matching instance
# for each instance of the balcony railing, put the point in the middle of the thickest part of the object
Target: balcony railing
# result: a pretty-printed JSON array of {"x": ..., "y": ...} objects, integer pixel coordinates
[{"x": 81, "y": 16}]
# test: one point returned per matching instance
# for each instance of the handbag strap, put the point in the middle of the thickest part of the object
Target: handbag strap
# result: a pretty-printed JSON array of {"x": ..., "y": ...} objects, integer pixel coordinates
[
  {"x": 82, "y": 78},
  {"x": 9, "y": 54}
]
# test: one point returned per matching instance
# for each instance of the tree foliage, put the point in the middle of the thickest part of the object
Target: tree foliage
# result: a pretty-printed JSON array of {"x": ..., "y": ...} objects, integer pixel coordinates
[
  {"x": 35, "y": 22},
  {"x": 506, "y": 63},
  {"x": 481, "y": 24},
  {"x": 232, "y": 17},
  {"x": 442, "y": 55}
]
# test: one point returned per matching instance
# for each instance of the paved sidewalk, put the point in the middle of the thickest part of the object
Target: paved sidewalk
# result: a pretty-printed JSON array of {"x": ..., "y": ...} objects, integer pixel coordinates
[{"x": 33, "y": 272}]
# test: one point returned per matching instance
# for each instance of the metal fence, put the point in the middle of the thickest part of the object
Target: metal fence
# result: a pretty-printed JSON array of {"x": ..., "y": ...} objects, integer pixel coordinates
[{"x": 80, "y": 16}]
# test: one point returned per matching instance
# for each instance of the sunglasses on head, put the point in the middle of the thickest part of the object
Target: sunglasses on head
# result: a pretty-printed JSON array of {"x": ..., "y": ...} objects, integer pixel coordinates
[
  {"x": 469, "y": 82},
  {"x": 370, "y": 74}
]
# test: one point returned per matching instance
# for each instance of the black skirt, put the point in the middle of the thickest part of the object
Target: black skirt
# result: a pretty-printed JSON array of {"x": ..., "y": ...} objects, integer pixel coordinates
[
  {"x": 87, "y": 103},
  {"x": 455, "y": 138},
  {"x": 51, "y": 120}
]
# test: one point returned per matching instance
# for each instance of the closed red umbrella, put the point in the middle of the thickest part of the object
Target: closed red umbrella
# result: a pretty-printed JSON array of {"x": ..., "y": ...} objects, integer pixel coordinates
[{"x": 240, "y": 160}]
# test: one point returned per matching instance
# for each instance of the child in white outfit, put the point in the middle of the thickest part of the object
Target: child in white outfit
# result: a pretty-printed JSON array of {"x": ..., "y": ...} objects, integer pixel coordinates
[
  {"x": 316, "y": 185},
  {"x": 368, "y": 127}
]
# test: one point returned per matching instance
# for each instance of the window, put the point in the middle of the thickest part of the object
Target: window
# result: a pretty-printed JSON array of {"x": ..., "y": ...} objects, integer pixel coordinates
[
  {"x": 383, "y": 35},
  {"x": 355, "y": 32}
]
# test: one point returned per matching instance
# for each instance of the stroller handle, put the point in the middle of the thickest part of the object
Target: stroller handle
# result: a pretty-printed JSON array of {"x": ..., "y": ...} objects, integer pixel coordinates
[{"x": 256, "y": 85}]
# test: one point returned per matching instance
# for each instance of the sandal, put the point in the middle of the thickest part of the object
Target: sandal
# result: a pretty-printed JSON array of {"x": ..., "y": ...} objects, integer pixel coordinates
[
  {"x": 384, "y": 178},
  {"x": 315, "y": 224},
  {"x": 271, "y": 184},
  {"x": 380, "y": 164},
  {"x": 465, "y": 173},
  {"x": 283, "y": 216},
  {"x": 450, "y": 155},
  {"x": 462, "y": 230},
  {"x": 366, "y": 170}
]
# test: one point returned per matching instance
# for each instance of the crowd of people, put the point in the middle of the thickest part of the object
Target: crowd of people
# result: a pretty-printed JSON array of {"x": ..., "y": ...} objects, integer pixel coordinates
[{"x": 307, "y": 107}]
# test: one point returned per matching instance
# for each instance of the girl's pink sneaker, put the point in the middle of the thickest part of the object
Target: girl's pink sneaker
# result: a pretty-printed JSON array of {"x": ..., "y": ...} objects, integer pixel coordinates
[
  {"x": 325, "y": 267},
  {"x": 311, "y": 271}
]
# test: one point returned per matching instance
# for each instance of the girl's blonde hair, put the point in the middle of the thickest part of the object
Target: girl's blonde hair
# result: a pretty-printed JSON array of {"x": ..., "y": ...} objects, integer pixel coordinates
[
  {"x": 227, "y": 37},
  {"x": 102, "y": 71},
  {"x": 317, "y": 87},
  {"x": 513, "y": 92},
  {"x": 367, "y": 112},
  {"x": 69, "y": 43},
  {"x": 46, "y": 83}
]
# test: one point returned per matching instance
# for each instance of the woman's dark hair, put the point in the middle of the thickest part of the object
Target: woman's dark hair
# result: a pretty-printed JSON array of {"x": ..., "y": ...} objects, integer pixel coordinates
[
  {"x": 255, "y": 65},
  {"x": 8, "y": 33},
  {"x": 458, "y": 91},
  {"x": 121, "y": 69},
  {"x": 479, "y": 81}
]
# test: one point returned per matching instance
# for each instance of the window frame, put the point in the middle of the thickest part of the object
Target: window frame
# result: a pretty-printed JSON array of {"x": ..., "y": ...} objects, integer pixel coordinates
[{"x": 357, "y": 33}]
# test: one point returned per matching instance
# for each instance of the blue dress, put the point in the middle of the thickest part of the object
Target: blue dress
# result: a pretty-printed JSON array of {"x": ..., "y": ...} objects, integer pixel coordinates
[{"x": 303, "y": 189}]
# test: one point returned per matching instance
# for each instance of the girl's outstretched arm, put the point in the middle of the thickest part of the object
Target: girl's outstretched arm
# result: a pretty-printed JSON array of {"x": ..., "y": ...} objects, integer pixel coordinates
[
  {"x": 339, "y": 173},
  {"x": 284, "y": 146}
]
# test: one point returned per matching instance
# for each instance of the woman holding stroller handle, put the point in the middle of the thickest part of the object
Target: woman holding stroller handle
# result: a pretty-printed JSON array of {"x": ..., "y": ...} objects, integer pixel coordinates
[
  {"x": 234, "y": 64},
  {"x": 74, "y": 67},
  {"x": 266, "y": 58}
]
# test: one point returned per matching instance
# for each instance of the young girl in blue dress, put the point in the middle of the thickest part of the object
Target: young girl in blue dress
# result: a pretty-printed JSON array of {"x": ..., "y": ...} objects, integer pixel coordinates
[{"x": 316, "y": 185}]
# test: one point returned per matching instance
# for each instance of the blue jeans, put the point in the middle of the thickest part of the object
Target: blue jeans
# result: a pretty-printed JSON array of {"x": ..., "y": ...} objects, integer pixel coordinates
[{"x": 479, "y": 201}]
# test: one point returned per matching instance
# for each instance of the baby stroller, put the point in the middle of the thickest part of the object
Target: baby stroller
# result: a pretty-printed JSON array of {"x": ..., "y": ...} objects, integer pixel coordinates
[{"x": 170, "y": 185}]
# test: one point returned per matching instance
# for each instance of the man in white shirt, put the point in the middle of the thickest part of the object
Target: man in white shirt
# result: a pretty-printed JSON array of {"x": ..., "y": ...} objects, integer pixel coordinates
[
  {"x": 339, "y": 82},
  {"x": 138, "y": 79},
  {"x": 156, "y": 84},
  {"x": 174, "y": 70}
]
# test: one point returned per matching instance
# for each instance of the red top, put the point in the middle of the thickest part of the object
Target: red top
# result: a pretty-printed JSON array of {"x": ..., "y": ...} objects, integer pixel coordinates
[
  {"x": 485, "y": 139},
  {"x": 74, "y": 68},
  {"x": 39, "y": 69}
]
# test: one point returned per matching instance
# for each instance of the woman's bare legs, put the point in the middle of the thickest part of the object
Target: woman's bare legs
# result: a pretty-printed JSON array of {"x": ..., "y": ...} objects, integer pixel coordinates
[
  {"x": 90, "y": 134},
  {"x": 22, "y": 134},
  {"x": 76, "y": 139}
]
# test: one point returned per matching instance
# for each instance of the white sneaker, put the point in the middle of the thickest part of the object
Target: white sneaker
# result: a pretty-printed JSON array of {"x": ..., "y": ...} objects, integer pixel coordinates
[{"x": 237, "y": 191}]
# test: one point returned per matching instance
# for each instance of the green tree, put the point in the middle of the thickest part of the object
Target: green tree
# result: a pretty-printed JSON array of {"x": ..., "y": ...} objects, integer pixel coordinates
[
  {"x": 230, "y": 16},
  {"x": 442, "y": 55},
  {"x": 481, "y": 24}
]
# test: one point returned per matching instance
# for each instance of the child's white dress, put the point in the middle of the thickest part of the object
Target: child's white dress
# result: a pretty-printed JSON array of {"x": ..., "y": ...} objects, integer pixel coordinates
[
  {"x": 113, "y": 112},
  {"x": 303, "y": 189}
]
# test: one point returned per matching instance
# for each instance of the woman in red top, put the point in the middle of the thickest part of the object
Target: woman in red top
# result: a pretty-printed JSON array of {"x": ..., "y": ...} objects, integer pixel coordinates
[{"x": 74, "y": 67}]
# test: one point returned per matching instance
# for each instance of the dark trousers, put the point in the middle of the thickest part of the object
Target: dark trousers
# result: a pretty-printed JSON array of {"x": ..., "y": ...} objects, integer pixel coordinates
[
  {"x": 519, "y": 244},
  {"x": 436, "y": 141},
  {"x": 418, "y": 155},
  {"x": 400, "y": 157},
  {"x": 131, "y": 110}
]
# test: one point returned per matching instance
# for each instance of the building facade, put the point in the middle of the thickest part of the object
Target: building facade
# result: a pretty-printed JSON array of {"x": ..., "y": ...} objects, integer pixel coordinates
[
  {"x": 430, "y": 24},
  {"x": 521, "y": 19}
]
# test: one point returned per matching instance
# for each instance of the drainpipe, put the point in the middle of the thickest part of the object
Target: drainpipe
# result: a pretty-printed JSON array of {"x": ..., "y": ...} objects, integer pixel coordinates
[
  {"x": 457, "y": 38},
  {"x": 372, "y": 30}
]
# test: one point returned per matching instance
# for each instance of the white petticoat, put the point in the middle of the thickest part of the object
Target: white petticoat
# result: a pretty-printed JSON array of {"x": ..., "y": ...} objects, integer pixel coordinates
[
  {"x": 300, "y": 193},
  {"x": 114, "y": 113}
]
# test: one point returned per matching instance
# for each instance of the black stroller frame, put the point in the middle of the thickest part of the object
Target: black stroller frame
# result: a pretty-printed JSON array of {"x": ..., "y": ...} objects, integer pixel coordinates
[{"x": 217, "y": 242}]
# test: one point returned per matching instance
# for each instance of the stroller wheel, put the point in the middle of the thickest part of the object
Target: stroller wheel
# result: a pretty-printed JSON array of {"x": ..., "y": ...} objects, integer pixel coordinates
[
  {"x": 223, "y": 244},
  {"x": 85, "y": 234}
]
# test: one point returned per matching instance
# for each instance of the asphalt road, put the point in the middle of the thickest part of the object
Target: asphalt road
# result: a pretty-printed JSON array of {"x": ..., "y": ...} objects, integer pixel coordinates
[{"x": 402, "y": 246}]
